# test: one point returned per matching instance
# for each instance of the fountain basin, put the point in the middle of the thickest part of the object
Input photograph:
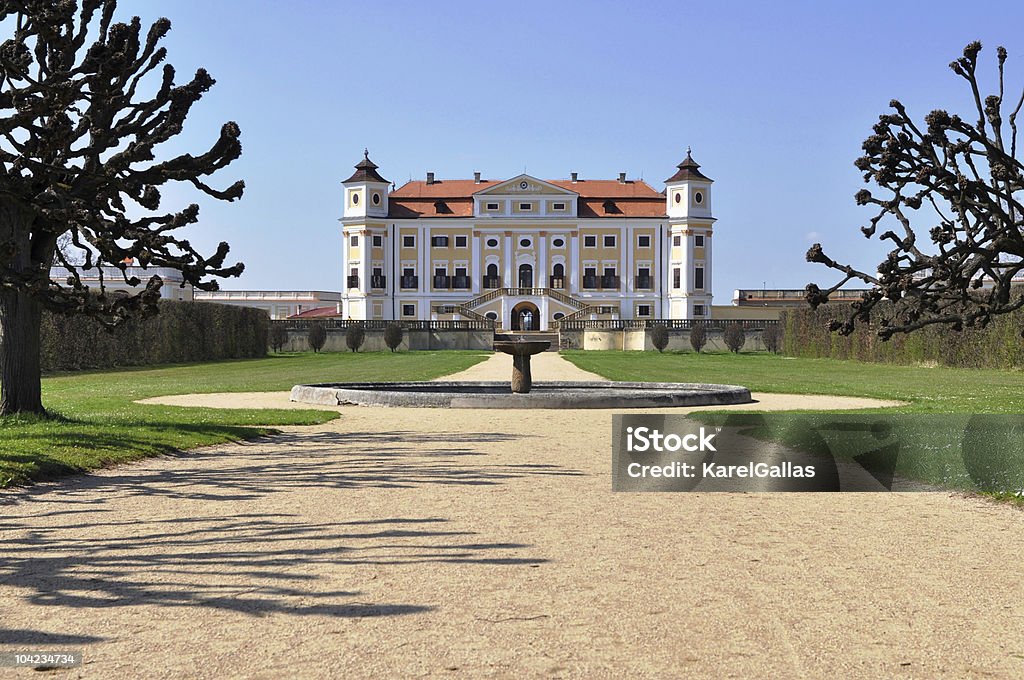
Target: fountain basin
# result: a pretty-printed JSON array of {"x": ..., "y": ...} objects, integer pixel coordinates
[{"x": 544, "y": 395}]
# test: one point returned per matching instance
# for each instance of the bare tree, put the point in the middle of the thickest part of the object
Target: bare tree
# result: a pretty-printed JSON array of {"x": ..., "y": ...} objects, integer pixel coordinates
[
  {"x": 78, "y": 156},
  {"x": 960, "y": 179}
]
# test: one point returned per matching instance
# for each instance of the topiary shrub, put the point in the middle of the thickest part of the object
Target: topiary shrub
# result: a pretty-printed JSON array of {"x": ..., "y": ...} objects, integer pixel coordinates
[
  {"x": 278, "y": 336},
  {"x": 698, "y": 337},
  {"x": 734, "y": 337},
  {"x": 317, "y": 336},
  {"x": 354, "y": 337},
  {"x": 393, "y": 336},
  {"x": 659, "y": 338},
  {"x": 771, "y": 336}
]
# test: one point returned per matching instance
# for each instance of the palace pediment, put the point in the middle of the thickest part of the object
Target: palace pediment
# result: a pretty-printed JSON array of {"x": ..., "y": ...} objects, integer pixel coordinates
[{"x": 524, "y": 185}]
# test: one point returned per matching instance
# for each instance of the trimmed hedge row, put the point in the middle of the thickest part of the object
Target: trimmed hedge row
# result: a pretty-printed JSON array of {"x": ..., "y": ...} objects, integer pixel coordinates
[
  {"x": 181, "y": 332},
  {"x": 998, "y": 346}
]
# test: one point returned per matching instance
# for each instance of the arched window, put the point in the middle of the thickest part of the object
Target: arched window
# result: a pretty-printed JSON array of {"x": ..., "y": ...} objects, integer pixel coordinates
[
  {"x": 526, "y": 276},
  {"x": 558, "y": 270},
  {"x": 491, "y": 279}
]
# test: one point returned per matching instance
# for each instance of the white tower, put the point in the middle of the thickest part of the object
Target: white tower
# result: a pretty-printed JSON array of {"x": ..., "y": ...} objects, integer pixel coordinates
[
  {"x": 688, "y": 205},
  {"x": 364, "y": 248}
]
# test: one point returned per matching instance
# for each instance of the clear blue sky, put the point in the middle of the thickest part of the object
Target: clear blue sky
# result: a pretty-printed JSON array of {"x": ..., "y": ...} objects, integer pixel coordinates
[{"x": 774, "y": 97}]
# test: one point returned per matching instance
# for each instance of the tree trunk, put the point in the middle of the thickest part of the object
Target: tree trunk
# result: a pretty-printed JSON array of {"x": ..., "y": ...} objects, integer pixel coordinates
[{"x": 20, "y": 387}]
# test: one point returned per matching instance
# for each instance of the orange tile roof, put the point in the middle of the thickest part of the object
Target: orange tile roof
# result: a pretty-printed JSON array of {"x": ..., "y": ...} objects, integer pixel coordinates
[
  {"x": 634, "y": 198},
  {"x": 586, "y": 188}
]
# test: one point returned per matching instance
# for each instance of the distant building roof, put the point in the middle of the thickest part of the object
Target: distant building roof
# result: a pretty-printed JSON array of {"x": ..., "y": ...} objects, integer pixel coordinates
[{"x": 317, "y": 313}]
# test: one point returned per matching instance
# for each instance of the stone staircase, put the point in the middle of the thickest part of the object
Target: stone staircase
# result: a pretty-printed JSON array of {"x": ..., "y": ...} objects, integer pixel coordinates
[{"x": 466, "y": 308}]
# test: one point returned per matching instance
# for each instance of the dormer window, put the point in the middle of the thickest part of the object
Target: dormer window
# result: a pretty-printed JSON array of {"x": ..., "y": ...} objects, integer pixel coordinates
[
  {"x": 441, "y": 208},
  {"x": 610, "y": 207}
]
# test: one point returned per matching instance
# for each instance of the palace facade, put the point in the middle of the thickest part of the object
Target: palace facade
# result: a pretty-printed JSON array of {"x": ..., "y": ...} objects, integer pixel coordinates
[{"x": 526, "y": 252}]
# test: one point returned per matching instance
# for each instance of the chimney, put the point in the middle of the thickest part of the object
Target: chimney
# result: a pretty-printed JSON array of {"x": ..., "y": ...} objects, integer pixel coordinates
[
  {"x": 476, "y": 178},
  {"x": 575, "y": 175},
  {"x": 622, "y": 178},
  {"x": 430, "y": 178}
]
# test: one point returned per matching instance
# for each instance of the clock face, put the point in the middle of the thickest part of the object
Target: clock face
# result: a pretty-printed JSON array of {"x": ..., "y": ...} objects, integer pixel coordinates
[{"x": 524, "y": 185}]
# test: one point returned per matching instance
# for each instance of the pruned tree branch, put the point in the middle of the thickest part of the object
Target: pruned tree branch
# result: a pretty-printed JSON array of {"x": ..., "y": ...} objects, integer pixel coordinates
[
  {"x": 78, "y": 157},
  {"x": 965, "y": 186}
]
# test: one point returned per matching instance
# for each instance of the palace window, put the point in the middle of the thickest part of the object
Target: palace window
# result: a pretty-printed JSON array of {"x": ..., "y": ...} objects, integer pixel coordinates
[
  {"x": 677, "y": 240},
  {"x": 378, "y": 241},
  {"x": 492, "y": 243},
  {"x": 558, "y": 243},
  {"x": 643, "y": 241},
  {"x": 609, "y": 241},
  {"x": 679, "y": 197},
  {"x": 408, "y": 241},
  {"x": 353, "y": 240},
  {"x": 698, "y": 278},
  {"x": 589, "y": 241},
  {"x": 439, "y": 241},
  {"x": 559, "y": 316},
  {"x": 699, "y": 310},
  {"x": 461, "y": 241},
  {"x": 493, "y": 316},
  {"x": 676, "y": 278},
  {"x": 525, "y": 243},
  {"x": 698, "y": 240},
  {"x": 558, "y": 206},
  {"x": 643, "y": 310},
  {"x": 355, "y": 199},
  {"x": 376, "y": 199},
  {"x": 698, "y": 198},
  {"x": 408, "y": 310},
  {"x": 526, "y": 206}
]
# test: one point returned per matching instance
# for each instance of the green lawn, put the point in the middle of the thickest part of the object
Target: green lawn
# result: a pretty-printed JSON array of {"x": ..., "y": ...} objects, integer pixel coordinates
[
  {"x": 928, "y": 390},
  {"x": 99, "y": 424}
]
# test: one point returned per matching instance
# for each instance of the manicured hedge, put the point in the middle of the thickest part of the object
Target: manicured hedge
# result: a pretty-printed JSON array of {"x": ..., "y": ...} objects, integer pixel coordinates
[
  {"x": 181, "y": 332},
  {"x": 998, "y": 346}
]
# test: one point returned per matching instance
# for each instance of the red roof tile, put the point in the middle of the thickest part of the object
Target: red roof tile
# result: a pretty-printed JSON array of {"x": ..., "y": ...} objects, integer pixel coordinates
[{"x": 634, "y": 198}]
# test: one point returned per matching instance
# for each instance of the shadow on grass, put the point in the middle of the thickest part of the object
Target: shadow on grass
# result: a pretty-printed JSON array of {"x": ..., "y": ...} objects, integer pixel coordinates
[{"x": 189, "y": 546}]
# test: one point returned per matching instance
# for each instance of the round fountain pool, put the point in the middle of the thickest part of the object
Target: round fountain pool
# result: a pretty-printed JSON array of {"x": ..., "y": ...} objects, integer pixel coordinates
[{"x": 563, "y": 395}]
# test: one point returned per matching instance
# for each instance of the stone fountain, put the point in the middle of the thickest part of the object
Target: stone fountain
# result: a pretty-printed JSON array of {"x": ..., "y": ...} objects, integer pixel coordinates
[
  {"x": 521, "y": 350},
  {"x": 522, "y": 393}
]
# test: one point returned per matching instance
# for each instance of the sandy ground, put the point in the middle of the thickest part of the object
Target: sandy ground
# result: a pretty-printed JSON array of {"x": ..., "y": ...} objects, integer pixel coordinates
[{"x": 420, "y": 543}]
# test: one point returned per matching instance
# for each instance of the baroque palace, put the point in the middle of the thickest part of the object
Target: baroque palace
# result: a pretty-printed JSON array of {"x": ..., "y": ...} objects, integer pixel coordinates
[{"x": 526, "y": 252}]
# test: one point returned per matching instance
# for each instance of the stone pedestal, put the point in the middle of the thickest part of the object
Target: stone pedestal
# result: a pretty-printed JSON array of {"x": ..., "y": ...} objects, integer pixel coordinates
[{"x": 522, "y": 381}]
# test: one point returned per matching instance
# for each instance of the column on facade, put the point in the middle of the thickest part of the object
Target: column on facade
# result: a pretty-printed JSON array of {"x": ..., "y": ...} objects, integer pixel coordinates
[
  {"x": 541, "y": 271},
  {"x": 476, "y": 268},
  {"x": 344, "y": 273},
  {"x": 508, "y": 257},
  {"x": 366, "y": 241},
  {"x": 688, "y": 288},
  {"x": 426, "y": 273},
  {"x": 707, "y": 266},
  {"x": 573, "y": 270},
  {"x": 627, "y": 264}
]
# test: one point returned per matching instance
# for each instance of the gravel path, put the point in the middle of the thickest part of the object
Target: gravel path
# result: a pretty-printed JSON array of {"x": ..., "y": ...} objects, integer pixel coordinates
[{"x": 417, "y": 542}]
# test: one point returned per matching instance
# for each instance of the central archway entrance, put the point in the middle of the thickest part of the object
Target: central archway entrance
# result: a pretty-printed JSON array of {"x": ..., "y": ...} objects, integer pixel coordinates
[{"x": 525, "y": 317}]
